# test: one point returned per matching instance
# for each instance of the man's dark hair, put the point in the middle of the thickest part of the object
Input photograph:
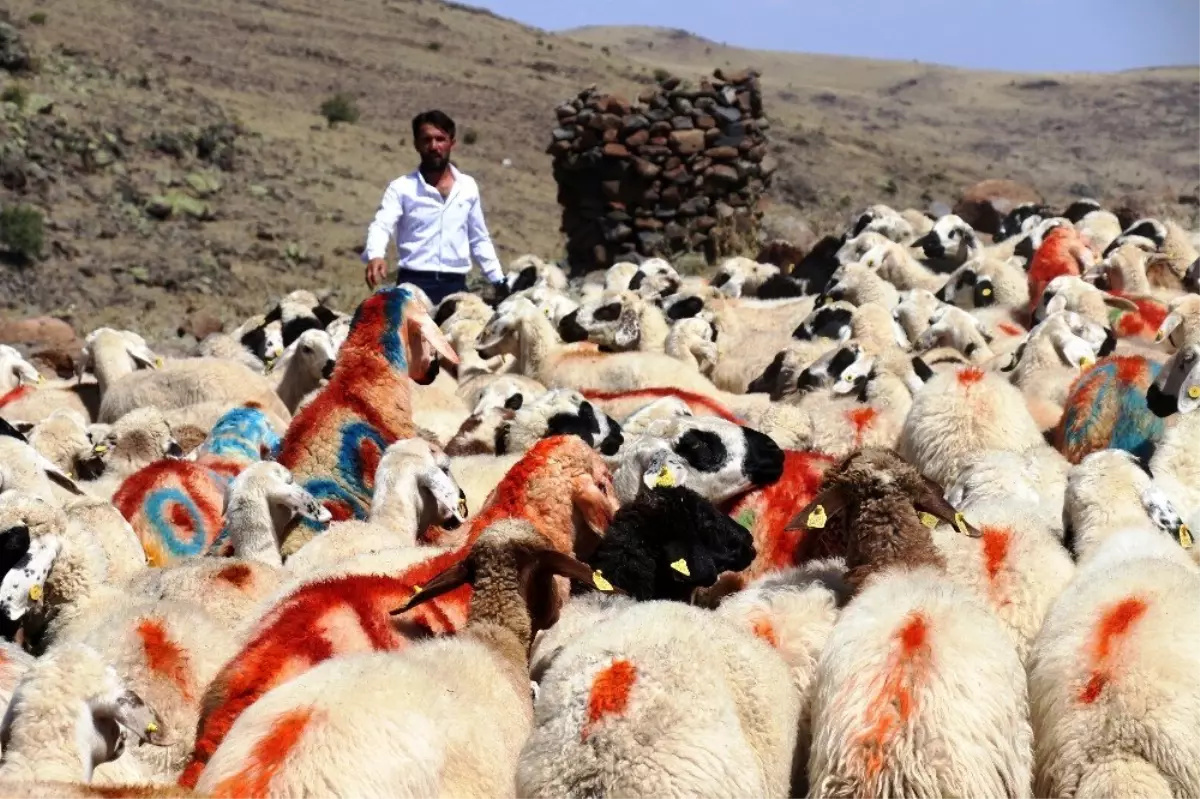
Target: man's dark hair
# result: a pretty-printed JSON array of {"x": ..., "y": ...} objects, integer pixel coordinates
[{"x": 439, "y": 119}]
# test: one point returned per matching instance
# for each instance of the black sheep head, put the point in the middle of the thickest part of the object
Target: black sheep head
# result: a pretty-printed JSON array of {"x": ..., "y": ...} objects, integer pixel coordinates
[{"x": 668, "y": 542}]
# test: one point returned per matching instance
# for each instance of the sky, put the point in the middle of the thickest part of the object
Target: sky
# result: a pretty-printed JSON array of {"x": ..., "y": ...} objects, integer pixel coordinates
[{"x": 1016, "y": 35}]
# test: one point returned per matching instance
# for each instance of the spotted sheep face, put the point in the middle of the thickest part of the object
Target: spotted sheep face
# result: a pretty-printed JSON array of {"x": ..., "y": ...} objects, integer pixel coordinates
[
  {"x": 682, "y": 307},
  {"x": 612, "y": 322},
  {"x": 1177, "y": 387},
  {"x": 1013, "y": 224},
  {"x": 829, "y": 321},
  {"x": 1146, "y": 232},
  {"x": 967, "y": 289},
  {"x": 725, "y": 460},
  {"x": 844, "y": 369},
  {"x": 950, "y": 236},
  {"x": 283, "y": 492}
]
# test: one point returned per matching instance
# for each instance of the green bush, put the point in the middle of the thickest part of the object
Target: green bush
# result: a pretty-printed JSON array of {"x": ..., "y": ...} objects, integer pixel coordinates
[
  {"x": 434, "y": 46},
  {"x": 14, "y": 93},
  {"x": 21, "y": 231},
  {"x": 340, "y": 108},
  {"x": 470, "y": 136},
  {"x": 37, "y": 18},
  {"x": 661, "y": 74}
]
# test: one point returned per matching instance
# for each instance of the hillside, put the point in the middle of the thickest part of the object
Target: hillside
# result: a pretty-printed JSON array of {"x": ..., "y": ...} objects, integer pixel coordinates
[{"x": 177, "y": 152}]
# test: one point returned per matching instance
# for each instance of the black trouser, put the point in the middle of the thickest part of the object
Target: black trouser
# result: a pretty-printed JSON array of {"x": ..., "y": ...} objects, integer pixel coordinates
[{"x": 436, "y": 284}]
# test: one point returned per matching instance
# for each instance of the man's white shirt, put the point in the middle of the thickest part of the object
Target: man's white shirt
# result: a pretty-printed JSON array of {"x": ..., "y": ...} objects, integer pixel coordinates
[{"x": 433, "y": 233}]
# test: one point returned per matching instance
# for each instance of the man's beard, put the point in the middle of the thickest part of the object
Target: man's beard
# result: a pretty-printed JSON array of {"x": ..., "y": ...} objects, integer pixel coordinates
[{"x": 433, "y": 161}]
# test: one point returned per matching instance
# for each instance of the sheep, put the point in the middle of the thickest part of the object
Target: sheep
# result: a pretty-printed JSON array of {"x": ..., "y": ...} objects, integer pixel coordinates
[
  {"x": 529, "y": 271},
  {"x": 232, "y": 588},
  {"x": 506, "y": 391},
  {"x": 261, "y": 501},
  {"x": 303, "y": 365},
  {"x": 1127, "y": 316},
  {"x": 693, "y": 341},
  {"x": 263, "y": 339},
  {"x": 24, "y": 469},
  {"x": 176, "y": 507},
  {"x": 739, "y": 276},
  {"x": 669, "y": 541},
  {"x": 332, "y": 443},
  {"x": 70, "y": 713},
  {"x": 180, "y": 383},
  {"x": 951, "y": 326},
  {"x": 15, "y": 373},
  {"x": 231, "y": 348},
  {"x": 413, "y": 491},
  {"x": 62, "y": 438},
  {"x": 960, "y": 412},
  {"x": 858, "y": 284},
  {"x": 986, "y": 283},
  {"x": 1110, "y": 676},
  {"x": 1062, "y": 252},
  {"x": 1181, "y": 325},
  {"x": 621, "y": 405},
  {"x": 949, "y": 244},
  {"x": 924, "y": 648},
  {"x": 896, "y": 264},
  {"x": 560, "y": 486},
  {"x": 721, "y": 460},
  {"x": 543, "y": 359},
  {"x": 1169, "y": 240},
  {"x": 1037, "y": 477},
  {"x": 136, "y": 440},
  {"x": 1106, "y": 408},
  {"x": 469, "y": 693},
  {"x": 660, "y": 699},
  {"x": 557, "y": 412},
  {"x": 622, "y": 321}
]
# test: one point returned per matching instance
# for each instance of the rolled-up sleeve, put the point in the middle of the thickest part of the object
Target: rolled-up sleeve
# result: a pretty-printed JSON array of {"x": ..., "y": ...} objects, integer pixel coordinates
[
  {"x": 384, "y": 224},
  {"x": 482, "y": 249}
]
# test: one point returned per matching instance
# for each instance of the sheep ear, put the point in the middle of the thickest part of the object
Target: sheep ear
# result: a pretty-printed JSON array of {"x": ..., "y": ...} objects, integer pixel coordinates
[
  {"x": 302, "y": 503},
  {"x": 566, "y": 566},
  {"x": 627, "y": 328},
  {"x": 1120, "y": 302},
  {"x": 1168, "y": 325},
  {"x": 1056, "y": 303},
  {"x": 932, "y": 501},
  {"x": 132, "y": 713},
  {"x": 816, "y": 514},
  {"x": 433, "y": 336},
  {"x": 454, "y": 577}
]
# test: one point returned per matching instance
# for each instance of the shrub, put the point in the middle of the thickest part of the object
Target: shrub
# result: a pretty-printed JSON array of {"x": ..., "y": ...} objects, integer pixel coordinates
[
  {"x": 661, "y": 74},
  {"x": 470, "y": 136},
  {"x": 14, "y": 93},
  {"x": 21, "y": 231},
  {"x": 37, "y": 18},
  {"x": 341, "y": 107},
  {"x": 434, "y": 46}
]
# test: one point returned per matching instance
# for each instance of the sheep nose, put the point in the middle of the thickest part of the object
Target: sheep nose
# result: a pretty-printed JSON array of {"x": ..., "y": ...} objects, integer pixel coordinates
[
  {"x": 174, "y": 450},
  {"x": 327, "y": 369}
]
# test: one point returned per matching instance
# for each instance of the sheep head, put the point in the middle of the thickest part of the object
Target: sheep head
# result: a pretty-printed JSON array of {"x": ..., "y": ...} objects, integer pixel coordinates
[
  {"x": 882, "y": 509},
  {"x": 395, "y": 326}
]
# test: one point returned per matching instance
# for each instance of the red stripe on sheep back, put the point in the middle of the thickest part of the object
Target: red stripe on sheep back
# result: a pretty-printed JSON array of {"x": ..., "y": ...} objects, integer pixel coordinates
[
  {"x": 698, "y": 403},
  {"x": 1056, "y": 256},
  {"x": 14, "y": 395},
  {"x": 165, "y": 657},
  {"x": 609, "y": 695},
  {"x": 765, "y": 512},
  {"x": 351, "y": 614},
  {"x": 175, "y": 507},
  {"x": 267, "y": 758},
  {"x": 1144, "y": 322},
  {"x": 1115, "y": 626},
  {"x": 895, "y": 700}
]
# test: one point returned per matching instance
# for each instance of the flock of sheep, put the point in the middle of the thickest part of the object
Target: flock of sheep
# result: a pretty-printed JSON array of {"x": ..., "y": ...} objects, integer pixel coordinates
[{"x": 910, "y": 519}]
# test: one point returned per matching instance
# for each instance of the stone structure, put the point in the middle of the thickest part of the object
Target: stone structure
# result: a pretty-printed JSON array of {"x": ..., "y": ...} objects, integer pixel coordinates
[{"x": 681, "y": 170}]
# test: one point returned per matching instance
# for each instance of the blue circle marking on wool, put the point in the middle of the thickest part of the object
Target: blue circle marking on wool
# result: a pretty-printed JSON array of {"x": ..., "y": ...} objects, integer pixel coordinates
[
  {"x": 240, "y": 434},
  {"x": 389, "y": 338},
  {"x": 349, "y": 465},
  {"x": 322, "y": 489},
  {"x": 157, "y": 505}
]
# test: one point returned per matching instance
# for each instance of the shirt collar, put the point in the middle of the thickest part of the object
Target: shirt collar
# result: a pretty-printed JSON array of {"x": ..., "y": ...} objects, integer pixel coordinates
[{"x": 453, "y": 171}]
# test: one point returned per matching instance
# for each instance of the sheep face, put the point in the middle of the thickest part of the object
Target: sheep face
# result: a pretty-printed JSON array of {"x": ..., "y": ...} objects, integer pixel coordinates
[
  {"x": 830, "y": 321},
  {"x": 131, "y": 344},
  {"x": 682, "y": 306},
  {"x": 443, "y": 502},
  {"x": 15, "y": 370},
  {"x": 844, "y": 369},
  {"x": 950, "y": 237},
  {"x": 1013, "y": 222},
  {"x": 1177, "y": 387},
  {"x": 966, "y": 288},
  {"x": 499, "y": 333},
  {"x": 283, "y": 494},
  {"x": 1147, "y": 229},
  {"x": 913, "y": 311},
  {"x": 1071, "y": 293},
  {"x": 955, "y": 327},
  {"x": 613, "y": 321}
]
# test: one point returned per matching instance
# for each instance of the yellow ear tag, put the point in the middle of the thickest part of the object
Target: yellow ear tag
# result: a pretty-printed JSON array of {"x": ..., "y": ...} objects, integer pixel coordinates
[
  {"x": 1194, "y": 392},
  {"x": 665, "y": 478},
  {"x": 1085, "y": 361},
  {"x": 100, "y": 448},
  {"x": 40, "y": 379},
  {"x": 158, "y": 362},
  {"x": 1185, "y": 537},
  {"x": 1159, "y": 336},
  {"x": 599, "y": 581},
  {"x": 416, "y": 590},
  {"x": 961, "y": 523},
  {"x": 462, "y": 507},
  {"x": 928, "y": 519},
  {"x": 817, "y": 518},
  {"x": 681, "y": 567},
  {"x": 546, "y": 311},
  {"x": 35, "y": 592},
  {"x": 151, "y": 728},
  {"x": 986, "y": 292}
]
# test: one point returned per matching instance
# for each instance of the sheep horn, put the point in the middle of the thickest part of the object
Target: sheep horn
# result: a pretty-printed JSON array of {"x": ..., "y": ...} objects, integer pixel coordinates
[{"x": 816, "y": 514}]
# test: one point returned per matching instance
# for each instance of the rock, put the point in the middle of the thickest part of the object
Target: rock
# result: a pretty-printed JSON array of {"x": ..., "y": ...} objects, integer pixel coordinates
[
  {"x": 722, "y": 153},
  {"x": 634, "y": 122},
  {"x": 615, "y": 150},
  {"x": 705, "y": 122},
  {"x": 637, "y": 138},
  {"x": 983, "y": 205},
  {"x": 727, "y": 114},
  {"x": 39, "y": 104},
  {"x": 200, "y": 325},
  {"x": 176, "y": 204},
  {"x": 721, "y": 173},
  {"x": 682, "y": 123},
  {"x": 39, "y": 331},
  {"x": 645, "y": 168},
  {"x": 670, "y": 83},
  {"x": 563, "y": 134},
  {"x": 14, "y": 54},
  {"x": 687, "y": 142}
]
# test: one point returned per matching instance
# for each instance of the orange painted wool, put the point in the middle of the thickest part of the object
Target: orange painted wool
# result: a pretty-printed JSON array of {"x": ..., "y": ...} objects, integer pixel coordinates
[
  {"x": 1114, "y": 626},
  {"x": 267, "y": 758},
  {"x": 1011, "y": 329},
  {"x": 996, "y": 543},
  {"x": 764, "y": 628},
  {"x": 238, "y": 574},
  {"x": 14, "y": 395},
  {"x": 610, "y": 692},
  {"x": 164, "y": 656},
  {"x": 861, "y": 419},
  {"x": 969, "y": 376},
  {"x": 891, "y": 708}
]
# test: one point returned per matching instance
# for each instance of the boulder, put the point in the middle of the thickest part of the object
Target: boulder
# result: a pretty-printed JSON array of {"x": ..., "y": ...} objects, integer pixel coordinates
[{"x": 37, "y": 331}]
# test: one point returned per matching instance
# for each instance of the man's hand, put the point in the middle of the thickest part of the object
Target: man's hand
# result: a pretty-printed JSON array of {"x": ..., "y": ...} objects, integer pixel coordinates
[{"x": 376, "y": 271}]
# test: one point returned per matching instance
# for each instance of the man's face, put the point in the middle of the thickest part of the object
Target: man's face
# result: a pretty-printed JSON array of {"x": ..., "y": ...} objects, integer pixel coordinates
[{"x": 434, "y": 145}]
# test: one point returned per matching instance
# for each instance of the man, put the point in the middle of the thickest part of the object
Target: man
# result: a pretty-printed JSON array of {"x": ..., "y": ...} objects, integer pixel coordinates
[{"x": 435, "y": 216}]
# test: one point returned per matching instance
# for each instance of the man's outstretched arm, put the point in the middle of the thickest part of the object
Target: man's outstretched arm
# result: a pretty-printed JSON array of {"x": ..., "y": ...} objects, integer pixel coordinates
[{"x": 378, "y": 232}]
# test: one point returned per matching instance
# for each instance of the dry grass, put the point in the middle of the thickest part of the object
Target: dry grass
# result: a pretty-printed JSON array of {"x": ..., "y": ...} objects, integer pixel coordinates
[{"x": 295, "y": 209}]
